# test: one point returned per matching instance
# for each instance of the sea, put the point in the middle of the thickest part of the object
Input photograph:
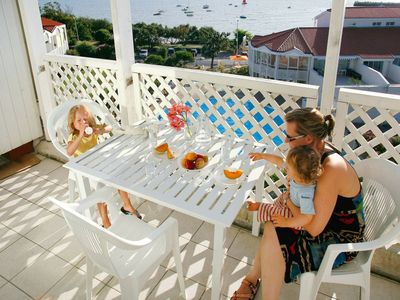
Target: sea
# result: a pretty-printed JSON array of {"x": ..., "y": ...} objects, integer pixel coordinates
[{"x": 259, "y": 17}]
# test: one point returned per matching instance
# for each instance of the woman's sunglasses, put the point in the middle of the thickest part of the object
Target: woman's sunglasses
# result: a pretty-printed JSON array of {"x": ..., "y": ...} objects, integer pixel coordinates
[{"x": 293, "y": 138}]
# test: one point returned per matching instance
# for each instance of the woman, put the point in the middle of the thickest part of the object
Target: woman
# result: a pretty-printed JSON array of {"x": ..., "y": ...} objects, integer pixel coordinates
[{"x": 285, "y": 253}]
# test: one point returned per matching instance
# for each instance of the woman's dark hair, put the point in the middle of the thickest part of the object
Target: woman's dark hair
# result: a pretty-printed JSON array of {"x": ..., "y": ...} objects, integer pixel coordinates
[{"x": 311, "y": 121}]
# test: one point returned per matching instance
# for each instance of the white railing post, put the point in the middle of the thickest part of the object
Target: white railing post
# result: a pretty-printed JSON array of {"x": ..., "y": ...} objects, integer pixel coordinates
[
  {"x": 332, "y": 55},
  {"x": 340, "y": 118},
  {"x": 33, "y": 31},
  {"x": 124, "y": 52}
]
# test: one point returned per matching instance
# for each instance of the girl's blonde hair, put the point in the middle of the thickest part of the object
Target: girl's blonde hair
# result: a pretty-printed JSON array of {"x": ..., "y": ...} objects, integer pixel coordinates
[
  {"x": 306, "y": 161},
  {"x": 71, "y": 117},
  {"x": 311, "y": 121}
]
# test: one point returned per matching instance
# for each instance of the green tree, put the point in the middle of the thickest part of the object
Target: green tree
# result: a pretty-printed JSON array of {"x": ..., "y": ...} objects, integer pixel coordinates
[
  {"x": 102, "y": 36},
  {"x": 154, "y": 59},
  {"x": 86, "y": 48},
  {"x": 161, "y": 51},
  {"x": 183, "y": 57},
  {"x": 213, "y": 42},
  {"x": 105, "y": 51}
]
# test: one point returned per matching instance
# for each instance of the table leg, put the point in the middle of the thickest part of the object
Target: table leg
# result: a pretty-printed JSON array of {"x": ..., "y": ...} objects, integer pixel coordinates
[
  {"x": 218, "y": 259},
  {"x": 83, "y": 186},
  {"x": 255, "y": 230}
]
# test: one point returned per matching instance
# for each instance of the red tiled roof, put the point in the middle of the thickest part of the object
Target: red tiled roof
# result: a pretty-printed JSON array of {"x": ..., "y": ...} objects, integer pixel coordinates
[
  {"x": 364, "y": 42},
  {"x": 372, "y": 12},
  {"x": 49, "y": 24}
]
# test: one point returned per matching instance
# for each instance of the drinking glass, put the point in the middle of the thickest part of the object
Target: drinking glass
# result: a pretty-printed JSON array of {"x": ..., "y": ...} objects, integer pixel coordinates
[
  {"x": 203, "y": 135},
  {"x": 152, "y": 128},
  {"x": 226, "y": 149},
  {"x": 150, "y": 165}
]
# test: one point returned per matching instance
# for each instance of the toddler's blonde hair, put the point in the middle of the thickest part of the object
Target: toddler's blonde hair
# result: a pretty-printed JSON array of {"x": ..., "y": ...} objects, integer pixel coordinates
[{"x": 306, "y": 161}]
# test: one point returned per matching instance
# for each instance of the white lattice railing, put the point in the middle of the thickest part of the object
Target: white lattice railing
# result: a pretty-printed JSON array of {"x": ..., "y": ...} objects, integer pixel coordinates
[
  {"x": 368, "y": 125},
  {"x": 76, "y": 77},
  {"x": 247, "y": 107}
]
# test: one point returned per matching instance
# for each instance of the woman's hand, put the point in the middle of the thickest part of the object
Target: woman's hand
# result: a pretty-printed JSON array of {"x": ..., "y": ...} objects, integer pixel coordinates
[{"x": 279, "y": 221}]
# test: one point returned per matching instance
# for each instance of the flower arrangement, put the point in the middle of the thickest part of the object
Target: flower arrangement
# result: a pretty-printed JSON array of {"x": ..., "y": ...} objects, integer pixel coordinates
[{"x": 178, "y": 116}]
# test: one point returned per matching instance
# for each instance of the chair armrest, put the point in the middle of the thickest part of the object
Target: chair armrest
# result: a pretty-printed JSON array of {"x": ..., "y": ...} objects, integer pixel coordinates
[
  {"x": 103, "y": 194},
  {"x": 167, "y": 229},
  {"x": 335, "y": 249}
]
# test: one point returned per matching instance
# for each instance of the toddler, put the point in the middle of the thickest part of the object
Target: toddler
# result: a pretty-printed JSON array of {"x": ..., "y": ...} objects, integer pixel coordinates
[
  {"x": 303, "y": 168},
  {"x": 83, "y": 136}
]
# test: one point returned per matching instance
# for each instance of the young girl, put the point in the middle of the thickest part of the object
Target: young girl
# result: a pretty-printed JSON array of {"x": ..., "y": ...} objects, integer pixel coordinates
[
  {"x": 84, "y": 133},
  {"x": 303, "y": 168}
]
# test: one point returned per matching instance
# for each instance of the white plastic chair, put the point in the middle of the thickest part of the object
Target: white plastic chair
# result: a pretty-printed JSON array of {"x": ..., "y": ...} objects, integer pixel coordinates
[
  {"x": 381, "y": 190},
  {"x": 57, "y": 127},
  {"x": 130, "y": 249}
]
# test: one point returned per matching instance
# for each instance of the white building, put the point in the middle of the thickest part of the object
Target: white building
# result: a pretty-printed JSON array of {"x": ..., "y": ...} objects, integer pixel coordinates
[
  {"x": 55, "y": 36},
  {"x": 363, "y": 17},
  {"x": 369, "y": 56}
]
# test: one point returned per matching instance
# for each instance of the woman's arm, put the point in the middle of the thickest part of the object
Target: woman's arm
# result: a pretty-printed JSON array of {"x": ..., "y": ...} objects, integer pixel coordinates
[
  {"x": 325, "y": 196},
  {"x": 299, "y": 220},
  {"x": 326, "y": 193}
]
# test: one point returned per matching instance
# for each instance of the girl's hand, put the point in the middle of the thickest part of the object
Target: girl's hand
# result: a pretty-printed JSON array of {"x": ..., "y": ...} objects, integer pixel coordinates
[
  {"x": 82, "y": 128},
  {"x": 279, "y": 221},
  {"x": 256, "y": 156}
]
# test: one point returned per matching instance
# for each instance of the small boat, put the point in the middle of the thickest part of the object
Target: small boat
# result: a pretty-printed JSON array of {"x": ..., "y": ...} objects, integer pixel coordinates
[
  {"x": 244, "y": 2},
  {"x": 189, "y": 14},
  {"x": 208, "y": 10},
  {"x": 243, "y": 17},
  {"x": 205, "y": 6},
  {"x": 157, "y": 14},
  {"x": 178, "y": 5},
  {"x": 289, "y": 7}
]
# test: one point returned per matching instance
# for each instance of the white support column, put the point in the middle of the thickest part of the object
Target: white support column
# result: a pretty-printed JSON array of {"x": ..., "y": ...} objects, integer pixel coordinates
[
  {"x": 33, "y": 30},
  {"x": 124, "y": 52},
  {"x": 332, "y": 54}
]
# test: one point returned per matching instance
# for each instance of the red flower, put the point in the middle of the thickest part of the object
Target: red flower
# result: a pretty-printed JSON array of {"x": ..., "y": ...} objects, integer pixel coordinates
[{"x": 178, "y": 116}]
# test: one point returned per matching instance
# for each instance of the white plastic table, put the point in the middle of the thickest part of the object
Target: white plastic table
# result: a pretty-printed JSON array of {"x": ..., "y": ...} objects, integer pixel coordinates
[{"x": 120, "y": 162}]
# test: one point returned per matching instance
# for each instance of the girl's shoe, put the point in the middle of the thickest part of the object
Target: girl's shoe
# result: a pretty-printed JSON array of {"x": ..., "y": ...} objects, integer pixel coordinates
[{"x": 127, "y": 212}]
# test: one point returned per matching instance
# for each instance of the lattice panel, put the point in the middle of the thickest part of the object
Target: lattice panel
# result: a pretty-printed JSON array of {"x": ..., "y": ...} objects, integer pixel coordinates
[
  {"x": 72, "y": 81},
  {"x": 246, "y": 113},
  {"x": 372, "y": 132}
]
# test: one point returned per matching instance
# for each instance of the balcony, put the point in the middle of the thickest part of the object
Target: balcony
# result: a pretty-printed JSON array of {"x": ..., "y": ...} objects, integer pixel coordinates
[{"x": 40, "y": 258}]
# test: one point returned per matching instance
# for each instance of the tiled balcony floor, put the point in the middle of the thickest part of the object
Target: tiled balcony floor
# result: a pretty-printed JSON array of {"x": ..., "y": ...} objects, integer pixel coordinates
[{"x": 40, "y": 259}]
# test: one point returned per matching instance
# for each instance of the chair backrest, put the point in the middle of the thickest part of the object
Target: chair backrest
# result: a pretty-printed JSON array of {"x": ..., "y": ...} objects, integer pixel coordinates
[
  {"x": 95, "y": 240},
  {"x": 111, "y": 252},
  {"x": 381, "y": 190},
  {"x": 57, "y": 123}
]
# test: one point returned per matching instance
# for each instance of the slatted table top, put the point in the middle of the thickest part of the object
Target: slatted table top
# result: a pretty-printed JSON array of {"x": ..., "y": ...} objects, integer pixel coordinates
[{"x": 205, "y": 194}]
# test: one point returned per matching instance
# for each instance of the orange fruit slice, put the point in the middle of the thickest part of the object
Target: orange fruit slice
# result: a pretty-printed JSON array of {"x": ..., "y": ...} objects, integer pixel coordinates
[
  {"x": 191, "y": 156},
  {"x": 170, "y": 154},
  {"x": 160, "y": 149},
  {"x": 233, "y": 173}
]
